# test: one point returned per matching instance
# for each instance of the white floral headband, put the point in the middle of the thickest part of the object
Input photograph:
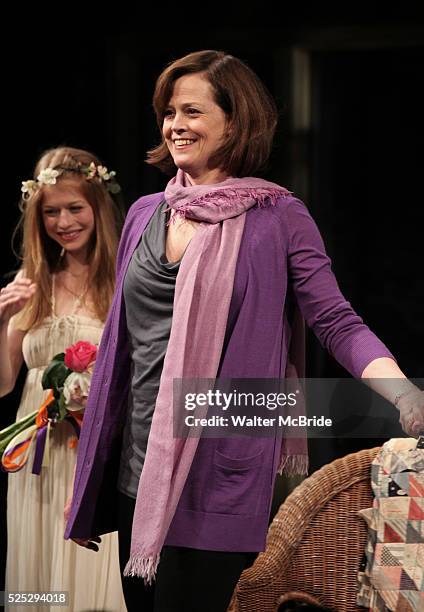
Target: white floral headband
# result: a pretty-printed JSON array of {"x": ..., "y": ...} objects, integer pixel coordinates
[{"x": 49, "y": 176}]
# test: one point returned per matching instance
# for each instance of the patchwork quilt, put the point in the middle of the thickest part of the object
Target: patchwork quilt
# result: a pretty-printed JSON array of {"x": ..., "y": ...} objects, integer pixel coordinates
[{"x": 392, "y": 574}]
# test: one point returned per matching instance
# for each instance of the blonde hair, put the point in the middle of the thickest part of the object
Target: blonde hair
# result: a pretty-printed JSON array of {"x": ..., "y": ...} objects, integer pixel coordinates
[{"x": 40, "y": 254}]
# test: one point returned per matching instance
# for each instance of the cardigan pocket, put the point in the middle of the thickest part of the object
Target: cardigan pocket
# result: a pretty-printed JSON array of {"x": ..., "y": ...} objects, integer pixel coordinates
[
  {"x": 232, "y": 463},
  {"x": 236, "y": 485}
]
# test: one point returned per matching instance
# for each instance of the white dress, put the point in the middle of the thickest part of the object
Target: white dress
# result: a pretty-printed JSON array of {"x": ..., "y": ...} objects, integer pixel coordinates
[{"x": 39, "y": 558}]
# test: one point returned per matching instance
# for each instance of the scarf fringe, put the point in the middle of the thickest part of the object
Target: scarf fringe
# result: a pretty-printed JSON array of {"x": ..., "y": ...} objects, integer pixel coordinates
[
  {"x": 142, "y": 567},
  {"x": 230, "y": 197},
  {"x": 293, "y": 465}
]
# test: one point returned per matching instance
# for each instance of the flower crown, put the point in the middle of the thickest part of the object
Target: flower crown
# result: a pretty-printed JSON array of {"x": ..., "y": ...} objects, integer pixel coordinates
[{"x": 49, "y": 176}]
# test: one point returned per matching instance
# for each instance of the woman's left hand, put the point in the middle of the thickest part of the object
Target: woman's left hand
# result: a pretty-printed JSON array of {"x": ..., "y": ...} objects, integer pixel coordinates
[
  {"x": 411, "y": 408},
  {"x": 90, "y": 543}
]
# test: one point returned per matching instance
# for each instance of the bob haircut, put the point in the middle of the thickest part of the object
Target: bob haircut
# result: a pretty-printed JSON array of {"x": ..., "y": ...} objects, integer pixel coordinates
[
  {"x": 41, "y": 256},
  {"x": 251, "y": 112}
]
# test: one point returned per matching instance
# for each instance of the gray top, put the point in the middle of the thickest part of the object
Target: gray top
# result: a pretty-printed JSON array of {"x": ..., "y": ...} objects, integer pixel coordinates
[{"x": 149, "y": 288}]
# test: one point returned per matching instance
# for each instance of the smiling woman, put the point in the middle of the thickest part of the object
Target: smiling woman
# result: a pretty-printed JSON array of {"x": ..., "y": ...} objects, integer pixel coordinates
[
  {"x": 194, "y": 127},
  {"x": 61, "y": 295},
  {"x": 213, "y": 279},
  {"x": 68, "y": 217}
]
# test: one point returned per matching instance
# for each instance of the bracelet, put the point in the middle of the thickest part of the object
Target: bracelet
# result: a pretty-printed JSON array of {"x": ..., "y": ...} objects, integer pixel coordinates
[{"x": 400, "y": 395}]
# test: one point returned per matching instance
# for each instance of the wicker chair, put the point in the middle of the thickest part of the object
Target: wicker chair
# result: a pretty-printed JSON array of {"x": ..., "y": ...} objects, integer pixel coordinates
[{"x": 315, "y": 542}]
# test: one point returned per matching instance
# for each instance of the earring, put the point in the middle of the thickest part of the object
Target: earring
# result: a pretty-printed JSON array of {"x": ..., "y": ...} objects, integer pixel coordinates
[{"x": 62, "y": 253}]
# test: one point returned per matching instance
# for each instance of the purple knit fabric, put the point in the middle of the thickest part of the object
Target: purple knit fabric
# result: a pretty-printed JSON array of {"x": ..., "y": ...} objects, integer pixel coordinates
[{"x": 281, "y": 255}]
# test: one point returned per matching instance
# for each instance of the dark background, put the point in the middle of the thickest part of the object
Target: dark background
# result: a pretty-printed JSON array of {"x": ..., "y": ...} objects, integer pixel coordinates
[{"x": 349, "y": 86}]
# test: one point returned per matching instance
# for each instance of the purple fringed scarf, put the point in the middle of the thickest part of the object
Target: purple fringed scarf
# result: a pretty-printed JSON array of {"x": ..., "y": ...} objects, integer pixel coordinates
[{"x": 203, "y": 293}]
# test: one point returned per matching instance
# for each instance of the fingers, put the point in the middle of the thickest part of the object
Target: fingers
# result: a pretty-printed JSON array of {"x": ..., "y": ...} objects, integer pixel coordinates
[
  {"x": 416, "y": 428},
  {"x": 417, "y": 419},
  {"x": 14, "y": 296},
  {"x": 91, "y": 543},
  {"x": 412, "y": 426},
  {"x": 20, "y": 286},
  {"x": 17, "y": 292},
  {"x": 411, "y": 415},
  {"x": 19, "y": 282}
]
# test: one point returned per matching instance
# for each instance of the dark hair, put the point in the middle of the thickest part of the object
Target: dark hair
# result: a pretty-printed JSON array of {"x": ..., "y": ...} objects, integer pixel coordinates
[{"x": 249, "y": 107}]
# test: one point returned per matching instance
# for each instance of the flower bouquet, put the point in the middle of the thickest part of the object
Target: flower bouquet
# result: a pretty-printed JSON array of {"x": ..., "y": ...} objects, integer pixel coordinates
[{"x": 68, "y": 378}]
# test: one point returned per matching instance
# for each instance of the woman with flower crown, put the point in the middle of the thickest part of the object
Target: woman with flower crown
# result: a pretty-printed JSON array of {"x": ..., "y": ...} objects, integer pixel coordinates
[{"x": 70, "y": 225}]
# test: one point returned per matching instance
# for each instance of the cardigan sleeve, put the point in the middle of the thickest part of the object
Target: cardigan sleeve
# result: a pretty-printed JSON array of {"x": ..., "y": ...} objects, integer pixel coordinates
[{"x": 340, "y": 330}]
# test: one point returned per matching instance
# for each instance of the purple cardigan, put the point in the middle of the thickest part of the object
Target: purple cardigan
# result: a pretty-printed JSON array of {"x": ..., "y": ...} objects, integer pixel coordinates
[{"x": 227, "y": 497}]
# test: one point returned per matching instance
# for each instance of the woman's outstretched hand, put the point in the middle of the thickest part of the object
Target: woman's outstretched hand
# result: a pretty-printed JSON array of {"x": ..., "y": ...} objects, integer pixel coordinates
[
  {"x": 411, "y": 409},
  {"x": 385, "y": 377},
  {"x": 14, "y": 296}
]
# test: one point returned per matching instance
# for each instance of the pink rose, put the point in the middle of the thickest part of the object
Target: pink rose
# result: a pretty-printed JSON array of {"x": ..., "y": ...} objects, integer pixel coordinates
[{"x": 80, "y": 355}]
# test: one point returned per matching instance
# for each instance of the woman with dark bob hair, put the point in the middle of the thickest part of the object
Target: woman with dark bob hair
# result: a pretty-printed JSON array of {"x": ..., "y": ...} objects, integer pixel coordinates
[{"x": 213, "y": 275}]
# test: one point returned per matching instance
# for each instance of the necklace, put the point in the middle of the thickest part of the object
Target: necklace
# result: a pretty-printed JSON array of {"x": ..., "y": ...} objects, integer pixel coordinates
[
  {"x": 78, "y": 301},
  {"x": 77, "y": 295}
]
